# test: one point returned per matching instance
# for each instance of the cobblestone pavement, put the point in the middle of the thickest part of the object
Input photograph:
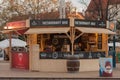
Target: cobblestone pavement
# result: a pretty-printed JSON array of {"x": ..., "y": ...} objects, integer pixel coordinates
[{"x": 7, "y": 74}]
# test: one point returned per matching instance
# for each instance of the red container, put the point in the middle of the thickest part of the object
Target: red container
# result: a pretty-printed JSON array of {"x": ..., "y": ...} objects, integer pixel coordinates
[{"x": 20, "y": 60}]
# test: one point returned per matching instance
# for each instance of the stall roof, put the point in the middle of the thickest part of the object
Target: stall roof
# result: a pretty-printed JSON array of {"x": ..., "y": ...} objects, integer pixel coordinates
[
  {"x": 94, "y": 30},
  {"x": 17, "y": 31},
  {"x": 47, "y": 30},
  {"x": 6, "y": 31}
]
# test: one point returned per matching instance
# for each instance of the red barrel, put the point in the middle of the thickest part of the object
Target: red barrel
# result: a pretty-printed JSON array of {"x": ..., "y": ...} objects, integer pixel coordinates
[{"x": 20, "y": 60}]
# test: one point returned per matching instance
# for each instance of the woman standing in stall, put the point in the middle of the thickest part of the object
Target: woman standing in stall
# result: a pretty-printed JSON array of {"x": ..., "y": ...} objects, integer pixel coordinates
[{"x": 80, "y": 47}]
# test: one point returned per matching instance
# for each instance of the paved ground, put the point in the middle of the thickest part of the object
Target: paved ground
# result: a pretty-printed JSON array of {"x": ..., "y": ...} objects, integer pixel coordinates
[{"x": 7, "y": 74}]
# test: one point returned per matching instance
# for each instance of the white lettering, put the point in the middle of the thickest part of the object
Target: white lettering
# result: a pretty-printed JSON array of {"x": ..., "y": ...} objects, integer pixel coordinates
[
  {"x": 64, "y": 22},
  {"x": 83, "y": 23},
  {"x": 51, "y": 22},
  {"x": 93, "y": 23},
  {"x": 76, "y": 22}
]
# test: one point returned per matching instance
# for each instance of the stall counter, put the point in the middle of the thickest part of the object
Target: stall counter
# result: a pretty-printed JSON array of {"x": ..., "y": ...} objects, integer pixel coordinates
[{"x": 59, "y": 65}]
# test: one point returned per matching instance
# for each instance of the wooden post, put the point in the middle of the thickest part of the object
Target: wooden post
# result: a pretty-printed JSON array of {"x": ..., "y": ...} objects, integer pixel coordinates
[
  {"x": 10, "y": 54},
  {"x": 72, "y": 38},
  {"x": 29, "y": 39},
  {"x": 72, "y": 33}
]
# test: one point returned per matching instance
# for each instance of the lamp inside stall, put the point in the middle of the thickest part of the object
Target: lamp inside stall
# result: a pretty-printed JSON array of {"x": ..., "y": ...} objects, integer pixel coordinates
[
  {"x": 8, "y": 27},
  {"x": 5, "y": 27}
]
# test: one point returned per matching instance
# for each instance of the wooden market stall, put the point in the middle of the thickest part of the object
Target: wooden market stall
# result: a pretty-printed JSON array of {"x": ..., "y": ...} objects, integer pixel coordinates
[{"x": 51, "y": 41}]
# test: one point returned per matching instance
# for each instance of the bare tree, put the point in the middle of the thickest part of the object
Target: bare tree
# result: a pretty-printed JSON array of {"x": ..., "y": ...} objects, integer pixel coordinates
[
  {"x": 84, "y": 2},
  {"x": 10, "y": 9},
  {"x": 103, "y": 9}
]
